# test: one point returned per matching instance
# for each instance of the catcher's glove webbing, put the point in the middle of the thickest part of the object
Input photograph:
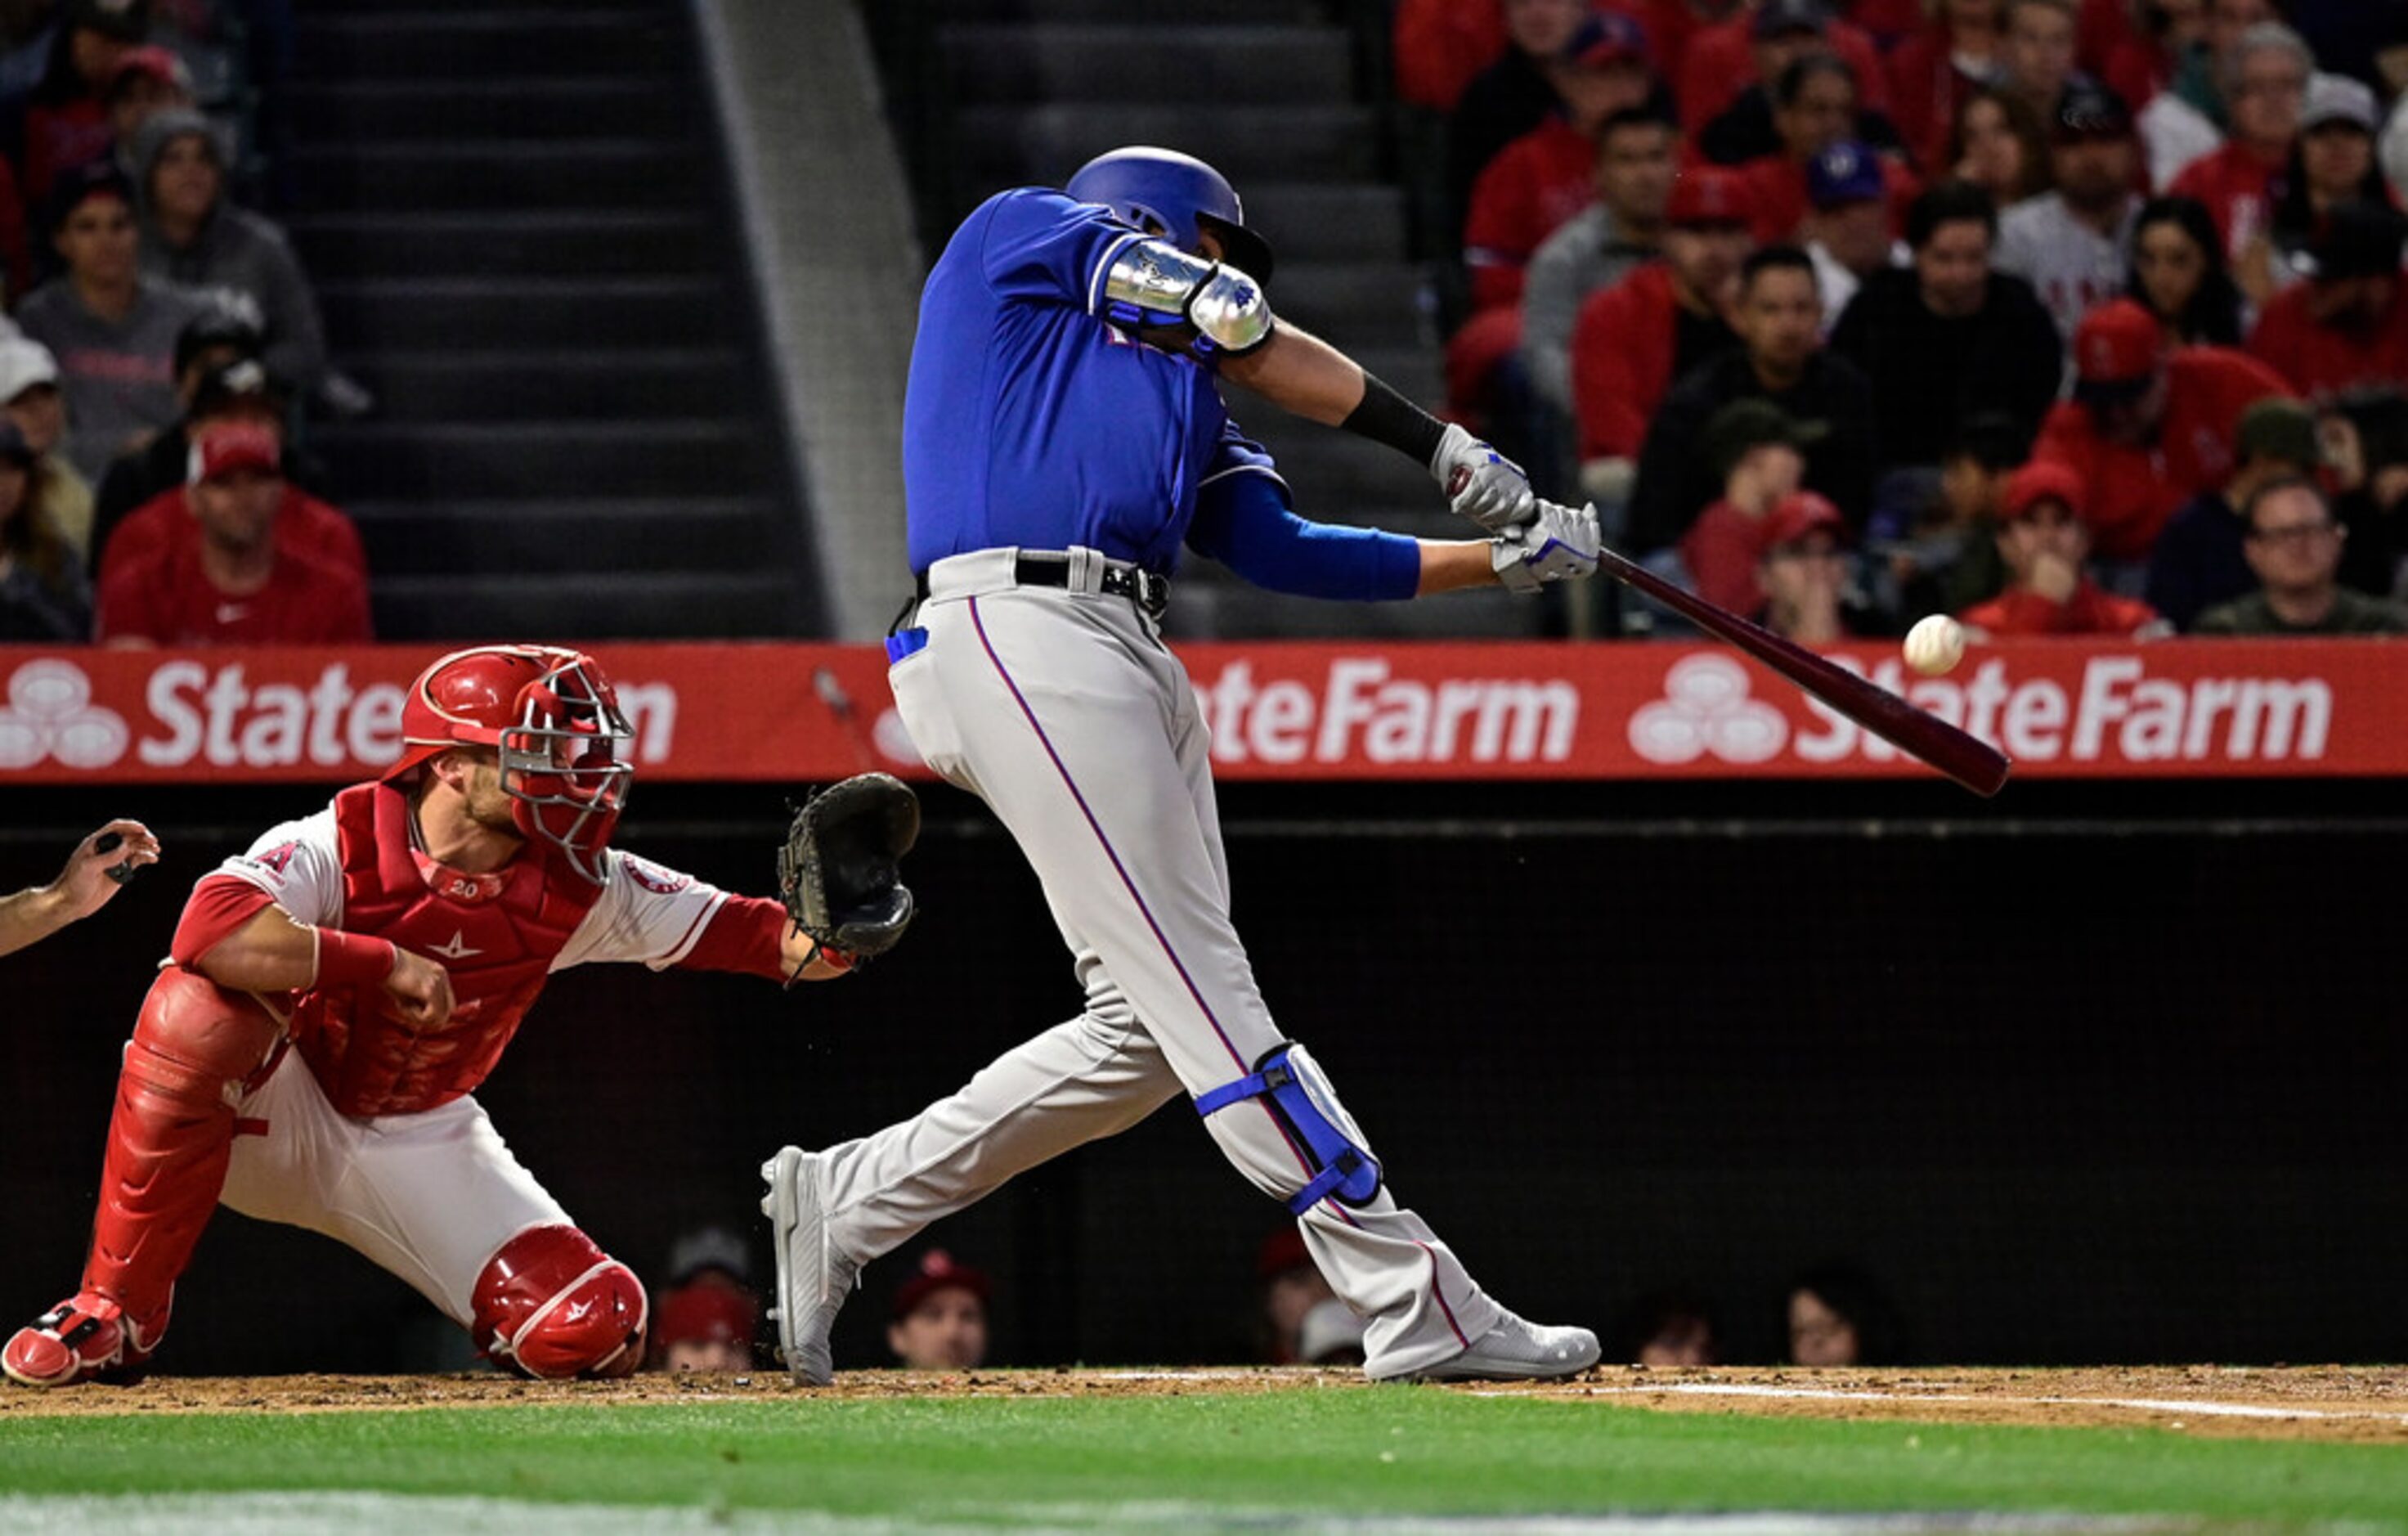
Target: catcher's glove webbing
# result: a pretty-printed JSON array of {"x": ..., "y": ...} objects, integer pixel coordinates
[{"x": 838, "y": 872}]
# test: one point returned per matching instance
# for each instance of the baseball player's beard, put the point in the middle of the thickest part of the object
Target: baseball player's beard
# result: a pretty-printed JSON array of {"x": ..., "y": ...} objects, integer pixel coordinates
[{"x": 489, "y": 805}]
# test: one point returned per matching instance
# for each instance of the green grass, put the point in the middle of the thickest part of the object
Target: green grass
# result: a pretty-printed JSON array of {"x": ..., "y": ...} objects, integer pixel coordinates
[{"x": 1110, "y": 1462}]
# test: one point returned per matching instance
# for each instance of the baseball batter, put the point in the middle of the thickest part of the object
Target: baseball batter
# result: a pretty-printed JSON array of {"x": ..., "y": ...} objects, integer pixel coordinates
[
  {"x": 335, "y": 995},
  {"x": 1065, "y": 436}
]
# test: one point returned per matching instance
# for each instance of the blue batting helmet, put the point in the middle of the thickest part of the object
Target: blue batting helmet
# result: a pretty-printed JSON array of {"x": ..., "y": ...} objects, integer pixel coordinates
[{"x": 1179, "y": 194}]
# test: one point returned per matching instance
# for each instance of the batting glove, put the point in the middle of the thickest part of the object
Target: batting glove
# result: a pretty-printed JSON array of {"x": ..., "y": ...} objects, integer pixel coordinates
[
  {"x": 1481, "y": 484},
  {"x": 1558, "y": 544}
]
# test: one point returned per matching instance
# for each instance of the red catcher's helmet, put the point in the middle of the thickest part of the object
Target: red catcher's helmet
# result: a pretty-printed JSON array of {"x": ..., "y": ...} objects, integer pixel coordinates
[{"x": 553, "y": 718}]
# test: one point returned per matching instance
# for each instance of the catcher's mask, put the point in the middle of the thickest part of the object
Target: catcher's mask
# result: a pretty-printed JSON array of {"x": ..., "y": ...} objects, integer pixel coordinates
[{"x": 552, "y": 717}]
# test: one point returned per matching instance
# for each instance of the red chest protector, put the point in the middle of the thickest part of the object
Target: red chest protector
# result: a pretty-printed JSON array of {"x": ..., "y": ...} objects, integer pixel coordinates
[{"x": 496, "y": 934}]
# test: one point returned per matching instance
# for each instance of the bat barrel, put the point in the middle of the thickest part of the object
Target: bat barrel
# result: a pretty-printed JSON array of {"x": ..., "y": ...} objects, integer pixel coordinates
[{"x": 1971, "y": 761}]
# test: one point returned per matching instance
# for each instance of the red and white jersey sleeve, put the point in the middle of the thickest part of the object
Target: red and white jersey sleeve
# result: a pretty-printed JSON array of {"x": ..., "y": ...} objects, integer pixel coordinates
[
  {"x": 300, "y": 865},
  {"x": 646, "y": 912}
]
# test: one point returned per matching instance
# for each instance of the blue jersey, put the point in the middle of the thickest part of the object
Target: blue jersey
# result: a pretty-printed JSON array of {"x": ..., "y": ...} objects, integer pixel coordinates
[{"x": 1032, "y": 423}]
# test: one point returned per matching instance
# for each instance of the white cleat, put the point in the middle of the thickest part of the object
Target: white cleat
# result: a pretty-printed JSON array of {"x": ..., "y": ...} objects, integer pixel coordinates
[
  {"x": 813, "y": 1275},
  {"x": 1515, "y": 1350}
]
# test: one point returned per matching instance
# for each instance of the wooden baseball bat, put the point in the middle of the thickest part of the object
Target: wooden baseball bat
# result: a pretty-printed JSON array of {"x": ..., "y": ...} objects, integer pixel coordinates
[{"x": 1972, "y": 762}]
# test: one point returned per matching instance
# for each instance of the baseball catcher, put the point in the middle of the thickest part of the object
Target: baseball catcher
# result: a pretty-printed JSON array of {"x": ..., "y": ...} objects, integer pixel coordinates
[{"x": 334, "y": 997}]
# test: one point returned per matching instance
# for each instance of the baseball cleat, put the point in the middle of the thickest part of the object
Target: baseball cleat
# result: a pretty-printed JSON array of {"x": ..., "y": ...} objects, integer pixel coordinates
[
  {"x": 1515, "y": 1351},
  {"x": 85, "y": 1338},
  {"x": 812, "y": 1274}
]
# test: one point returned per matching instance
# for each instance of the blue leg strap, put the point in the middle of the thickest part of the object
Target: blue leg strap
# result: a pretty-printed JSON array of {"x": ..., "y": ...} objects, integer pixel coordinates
[{"x": 1343, "y": 1170}]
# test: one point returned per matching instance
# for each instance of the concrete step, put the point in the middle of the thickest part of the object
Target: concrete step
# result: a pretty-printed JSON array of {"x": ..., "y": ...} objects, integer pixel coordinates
[
  {"x": 1233, "y": 12},
  {"x": 1042, "y": 144},
  {"x": 1209, "y": 602},
  {"x": 496, "y": 42},
  {"x": 503, "y": 243},
  {"x": 589, "y": 533},
  {"x": 502, "y": 175},
  {"x": 659, "y": 102},
  {"x": 1362, "y": 303},
  {"x": 632, "y": 9},
  {"x": 567, "y": 312},
  {"x": 450, "y": 386},
  {"x": 495, "y": 461},
  {"x": 1186, "y": 60},
  {"x": 1306, "y": 220},
  {"x": 585, "y": 606}
]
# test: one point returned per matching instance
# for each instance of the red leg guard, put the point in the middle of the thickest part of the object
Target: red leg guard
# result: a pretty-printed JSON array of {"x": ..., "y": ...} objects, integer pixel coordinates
[
  {"x": 553, "y": 1305},
  {"x": 169, "y": 1139}
]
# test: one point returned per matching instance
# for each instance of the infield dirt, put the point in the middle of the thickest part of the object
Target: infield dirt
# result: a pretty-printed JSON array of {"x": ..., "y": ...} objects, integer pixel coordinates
[{"x": 2357, "y": 1403}]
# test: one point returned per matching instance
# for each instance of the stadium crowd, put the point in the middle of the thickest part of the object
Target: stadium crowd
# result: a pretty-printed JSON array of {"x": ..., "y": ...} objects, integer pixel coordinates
[
  {"x": 1807, "y": 295},
  {"x": 162, "y": 352},
  {"x": 2063, "y": 316}
]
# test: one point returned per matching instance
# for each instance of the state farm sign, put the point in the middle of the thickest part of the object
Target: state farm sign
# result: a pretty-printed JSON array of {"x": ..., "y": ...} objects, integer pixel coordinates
[
  {"x": 336, "y": 716},
  {"x": 2113, "y": 712},
  {"x": 810, "y": 713},
  {"x": 1357, "y": 709},
  {"x": 1665, "y": 710}
]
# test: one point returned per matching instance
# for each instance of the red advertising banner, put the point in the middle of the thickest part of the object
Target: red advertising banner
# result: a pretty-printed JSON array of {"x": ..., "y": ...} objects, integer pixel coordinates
[{"x": 801, "y": 713}]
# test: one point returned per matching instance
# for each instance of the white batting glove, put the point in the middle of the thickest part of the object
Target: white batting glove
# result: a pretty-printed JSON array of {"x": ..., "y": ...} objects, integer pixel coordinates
[
  {"x": 1558, "y": 544},
  {"x": 1481, "y": 484}
]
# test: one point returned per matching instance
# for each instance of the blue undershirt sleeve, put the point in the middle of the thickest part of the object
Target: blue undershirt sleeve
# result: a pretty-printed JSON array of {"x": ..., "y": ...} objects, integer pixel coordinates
[{"x": 1243, "y": 521}]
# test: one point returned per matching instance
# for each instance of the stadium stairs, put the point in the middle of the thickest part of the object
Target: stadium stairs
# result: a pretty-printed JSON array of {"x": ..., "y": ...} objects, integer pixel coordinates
[
  {"x": 992, "y": 93},
  {"x": 516, "y": 218}
]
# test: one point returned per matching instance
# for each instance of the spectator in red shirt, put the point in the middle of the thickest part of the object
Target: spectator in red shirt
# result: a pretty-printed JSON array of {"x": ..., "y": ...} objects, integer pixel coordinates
[
  {"x": 1813, "y": 108},
  {"x": 1757, "y": 452},
  {"x": 1545, "y": 177},
  {"x": 1662, "y": 319},
  {"x": 2264, "y": 81},
  {"x": 66, "y": 118},
  {"x": 2346, "y": 326},
  {"x": 2044, "y": 540},
  {"x": 1510, "y": 98},
  {"x": 1440, "y": 46},
  {"x": 1810, "y": 596},
  {"x": 1956, "y": 54},
  {"x": 213, "y": 571},
  {"x": 2147, "y": 429},
  {"x": 1753, "y": 46}
]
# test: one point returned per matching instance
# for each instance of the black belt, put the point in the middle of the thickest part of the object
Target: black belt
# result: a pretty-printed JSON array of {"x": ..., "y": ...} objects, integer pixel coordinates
[{"x": 1144, "y": 588}]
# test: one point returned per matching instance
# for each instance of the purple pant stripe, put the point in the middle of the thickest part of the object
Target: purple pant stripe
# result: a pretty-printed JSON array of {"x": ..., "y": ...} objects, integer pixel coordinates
[
  {"x": 1441, "y": 1295},
  {"x": 977, "y": 622}
]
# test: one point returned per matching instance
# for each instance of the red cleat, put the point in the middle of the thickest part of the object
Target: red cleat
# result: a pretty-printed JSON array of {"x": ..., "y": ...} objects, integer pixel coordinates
[{"x": 87, "y": 1338}]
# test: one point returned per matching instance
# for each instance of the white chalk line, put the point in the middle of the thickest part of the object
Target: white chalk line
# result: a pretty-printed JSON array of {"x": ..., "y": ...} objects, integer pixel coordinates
[
  {"x": 2203, "y": 1408},
  {"x": 263, "y": 1512}
]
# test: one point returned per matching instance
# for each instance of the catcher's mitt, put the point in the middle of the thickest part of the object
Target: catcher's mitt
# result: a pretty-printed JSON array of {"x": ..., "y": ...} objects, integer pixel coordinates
[{"x": 837, "y": 873}]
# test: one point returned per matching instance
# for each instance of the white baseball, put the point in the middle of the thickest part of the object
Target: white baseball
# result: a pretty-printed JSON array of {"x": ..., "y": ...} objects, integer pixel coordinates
[{"x": 1935, "y": 644}]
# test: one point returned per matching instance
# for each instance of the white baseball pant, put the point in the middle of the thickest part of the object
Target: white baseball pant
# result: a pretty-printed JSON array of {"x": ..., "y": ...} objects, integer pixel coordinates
[{"x": 430, "y": 1197}]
